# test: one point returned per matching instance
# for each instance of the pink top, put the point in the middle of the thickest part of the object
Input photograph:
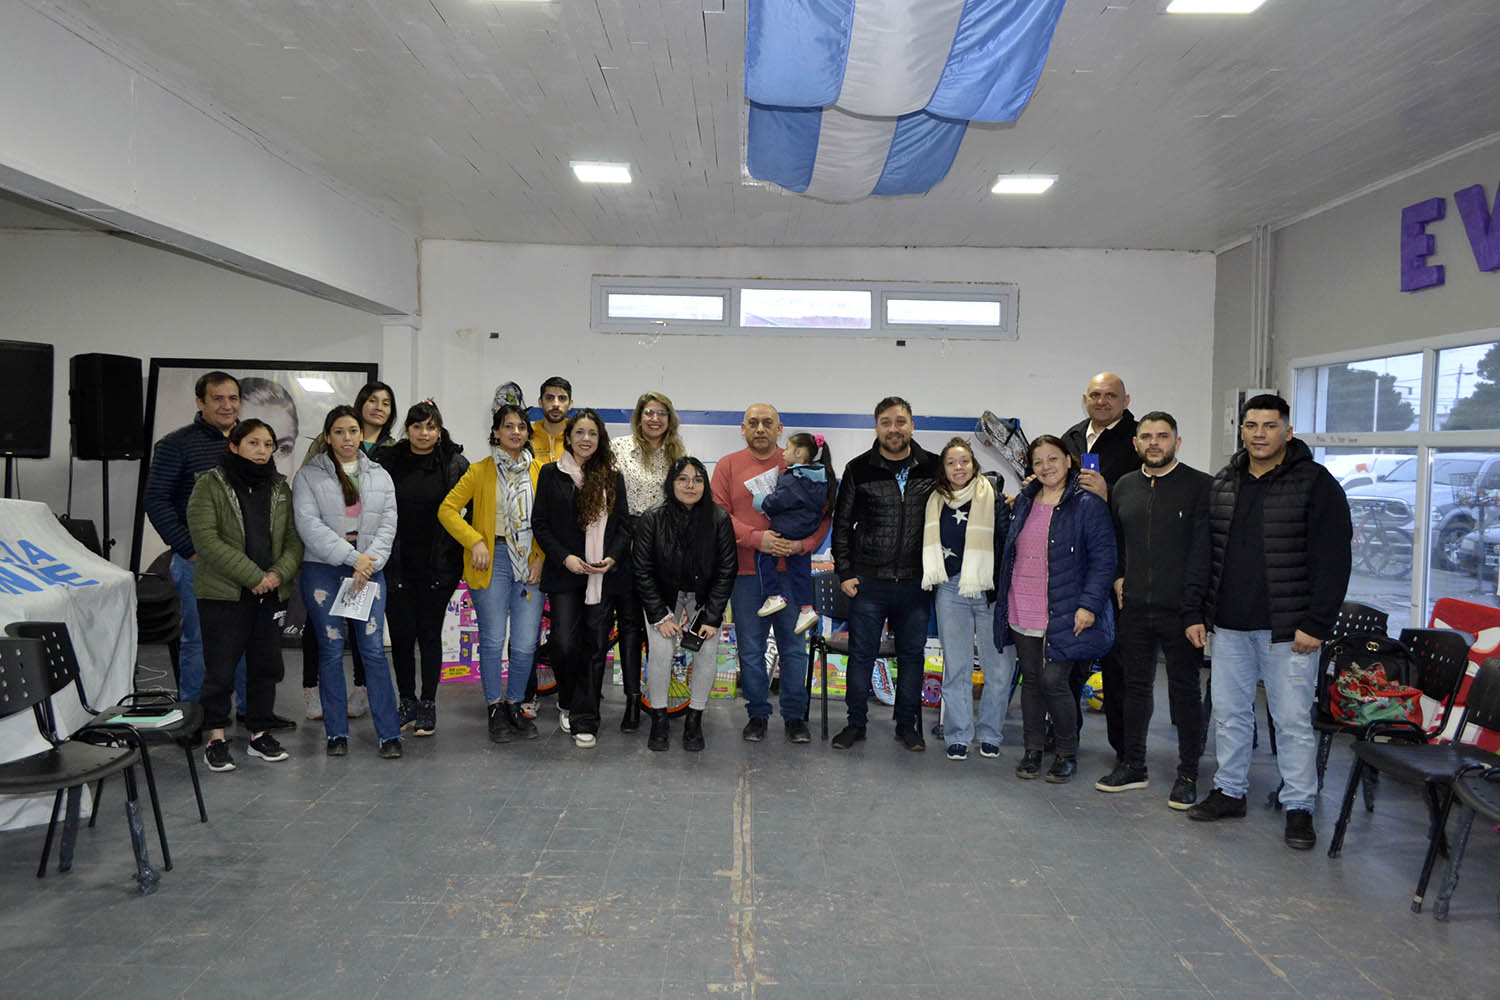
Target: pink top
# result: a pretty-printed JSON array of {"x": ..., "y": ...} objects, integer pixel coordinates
[{"x": 1028, "y": 580}]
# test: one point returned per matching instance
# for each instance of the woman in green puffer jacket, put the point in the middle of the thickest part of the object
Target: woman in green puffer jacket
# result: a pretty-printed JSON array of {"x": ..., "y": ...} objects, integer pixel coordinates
[{"x": 248, "y": 552}]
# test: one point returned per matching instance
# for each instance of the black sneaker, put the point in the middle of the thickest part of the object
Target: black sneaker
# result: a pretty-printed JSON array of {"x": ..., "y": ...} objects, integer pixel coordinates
[
  {"x": 1300, "y": 835},
  {"x": 989, "y": 749},
  {"x": 338, "y": 746},
  {"x": 216, "y": 756},
  {"x": 265, "y": 747},
  {"x": 1184, "y": 793},
  {"x": 754, "y": 731},
  {"x": 390, "y": 749},
  {"x": 1062, "y": 770},
  {"x": 957, "y": 751},
  {"x": 1218, "y": 806},
  {"x": 1030, "y": 767},
  {"x": 519, "y": 722},
  {"x": 797, "y": 731},
  {"x": 426, "y": 718},
  {"x": 910, "y": 737},
  {"x": 1122, "y": 779},
  {"x": 847, "y": 737},
  {"x": 406, "y": 714},
  {"x": 500, "y": 728}
]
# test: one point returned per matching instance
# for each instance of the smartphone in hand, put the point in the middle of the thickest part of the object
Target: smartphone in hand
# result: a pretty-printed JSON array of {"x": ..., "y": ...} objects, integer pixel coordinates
[{"x": 1089, "y": 460}]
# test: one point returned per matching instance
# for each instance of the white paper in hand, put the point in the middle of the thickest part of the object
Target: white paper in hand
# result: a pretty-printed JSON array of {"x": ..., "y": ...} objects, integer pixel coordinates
[{"x": 349, "y": 604}]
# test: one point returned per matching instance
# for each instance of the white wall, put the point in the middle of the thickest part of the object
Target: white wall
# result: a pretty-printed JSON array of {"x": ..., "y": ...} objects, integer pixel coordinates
[
  {"x": 1146, "y": 315},
  {"x": 86, "y": 292}
]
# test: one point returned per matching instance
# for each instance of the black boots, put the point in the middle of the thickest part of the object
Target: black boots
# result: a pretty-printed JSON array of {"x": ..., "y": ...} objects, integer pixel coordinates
[
  {"x": 661, "y": 730},
  {"x": 631, "y": 720},
  {"x": 499, "y": 726},
  {"x": 692, "y": 729}
]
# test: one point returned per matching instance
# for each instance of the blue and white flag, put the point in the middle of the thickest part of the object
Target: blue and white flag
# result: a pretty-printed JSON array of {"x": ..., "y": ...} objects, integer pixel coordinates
[{"x": 858, "y": 97}]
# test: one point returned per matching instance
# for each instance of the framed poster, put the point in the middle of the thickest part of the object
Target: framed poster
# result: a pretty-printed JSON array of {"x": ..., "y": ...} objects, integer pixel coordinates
[{"x": 292, "y": 397}]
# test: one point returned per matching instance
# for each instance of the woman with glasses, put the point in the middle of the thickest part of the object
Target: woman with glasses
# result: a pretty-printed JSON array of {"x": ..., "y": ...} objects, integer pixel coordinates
[
  {"x": 685, "y": 564},
  {"x": 643, "y": 459}
]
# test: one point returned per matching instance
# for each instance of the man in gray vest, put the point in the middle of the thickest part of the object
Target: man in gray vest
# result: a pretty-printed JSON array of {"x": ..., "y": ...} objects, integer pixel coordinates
[{"x": 1268, "y": 571}]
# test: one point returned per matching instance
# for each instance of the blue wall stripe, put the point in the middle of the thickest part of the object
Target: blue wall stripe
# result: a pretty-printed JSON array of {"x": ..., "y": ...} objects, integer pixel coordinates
[{"x": 733, "y": 418}]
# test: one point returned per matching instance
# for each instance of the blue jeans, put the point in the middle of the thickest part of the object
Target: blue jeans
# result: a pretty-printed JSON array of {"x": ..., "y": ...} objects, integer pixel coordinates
[
  {"x": 750, "y": 634},
  {"x": 1240, "y": 660},
  {"x": 190, "y": 651},
  {"x": 795, "y": 585},
  {"x": 519, "y": 603},
  {"x": 908, "y": 608},
  {"x": 962, "y": 623},
  {"x": 320, "y": 582}
]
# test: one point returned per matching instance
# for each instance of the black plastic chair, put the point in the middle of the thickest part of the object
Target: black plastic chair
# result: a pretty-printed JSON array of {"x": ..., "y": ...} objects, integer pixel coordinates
[
  {"x": 1407, "y": 754},
  {"x": 1477, "y": 789},
  {"x": 68, "y": 764},
  {"x": 830, "y": 602},
  {"x": 62, "y": 662}
]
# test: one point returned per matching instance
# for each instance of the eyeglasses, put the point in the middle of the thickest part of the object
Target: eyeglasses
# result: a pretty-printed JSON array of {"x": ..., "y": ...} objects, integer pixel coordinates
[
  {"x": 689, "y": 480},
  {"x": 653, "y": 413}
]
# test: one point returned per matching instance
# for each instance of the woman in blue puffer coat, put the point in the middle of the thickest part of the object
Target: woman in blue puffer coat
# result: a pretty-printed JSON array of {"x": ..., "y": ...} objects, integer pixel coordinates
[{"x": 1052, "y": 593}]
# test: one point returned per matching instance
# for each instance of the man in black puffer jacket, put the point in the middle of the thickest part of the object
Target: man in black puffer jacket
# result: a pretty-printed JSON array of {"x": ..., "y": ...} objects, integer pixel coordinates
[
  {"x": 1268, "y": 571},
  {"x": 877, "y": 553}
]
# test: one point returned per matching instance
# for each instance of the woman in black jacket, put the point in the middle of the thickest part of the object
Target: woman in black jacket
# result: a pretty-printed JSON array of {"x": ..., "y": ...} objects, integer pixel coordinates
[
  {"x": 685, "y": 563},
  {"x": 425, "y": 563},
  {"x": 580, "y": 521}
]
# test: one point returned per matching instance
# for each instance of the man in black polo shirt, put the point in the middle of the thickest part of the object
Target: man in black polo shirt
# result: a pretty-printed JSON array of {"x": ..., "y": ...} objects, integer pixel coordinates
[
  {"x": 1156, "y": 508},
  {"x": 1109, "y": 432}
]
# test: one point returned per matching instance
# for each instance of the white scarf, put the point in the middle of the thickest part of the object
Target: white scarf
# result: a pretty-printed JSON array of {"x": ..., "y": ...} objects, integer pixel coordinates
[
  {"x": 976, "y": 573},
  {"x": 513, "y": 509},
  {"x": 593, "y": 535}
]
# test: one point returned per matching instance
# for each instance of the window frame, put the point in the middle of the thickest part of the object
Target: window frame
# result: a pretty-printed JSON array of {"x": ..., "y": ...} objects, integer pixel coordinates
[
  {"x": 1005, "y": 294},
  {"x": 1426, "y": 440}
]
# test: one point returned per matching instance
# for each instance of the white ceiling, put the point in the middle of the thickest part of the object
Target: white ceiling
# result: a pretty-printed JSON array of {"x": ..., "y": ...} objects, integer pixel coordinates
[{"x": 1169, "y": 132}]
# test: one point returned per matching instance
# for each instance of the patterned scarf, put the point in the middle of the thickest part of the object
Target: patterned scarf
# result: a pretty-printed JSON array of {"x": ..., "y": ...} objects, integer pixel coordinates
[{"x": 513, "y": 508}]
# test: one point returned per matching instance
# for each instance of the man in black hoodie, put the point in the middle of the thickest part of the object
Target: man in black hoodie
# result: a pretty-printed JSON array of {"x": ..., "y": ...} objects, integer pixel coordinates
[
  {"x": 877, "y": 553},
  {"x": 1156, "y": 508},
  {"x": 1269, "y": 568}
]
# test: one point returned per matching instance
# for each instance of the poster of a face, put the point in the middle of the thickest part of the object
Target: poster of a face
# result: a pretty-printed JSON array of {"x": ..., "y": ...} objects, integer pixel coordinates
[{"x": 291, "y": 397}]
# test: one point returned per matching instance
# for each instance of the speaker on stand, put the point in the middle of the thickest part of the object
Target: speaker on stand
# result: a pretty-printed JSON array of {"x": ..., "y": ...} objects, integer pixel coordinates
[
  {"x": 25, "y": 405},
  {"x": 105, "y": 406}
]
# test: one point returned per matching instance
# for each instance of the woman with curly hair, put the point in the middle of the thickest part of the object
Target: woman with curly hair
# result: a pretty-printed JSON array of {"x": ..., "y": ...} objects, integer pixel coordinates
[
  {"x": 581, "y": 522},
  {"x": 644, "y": 458}
]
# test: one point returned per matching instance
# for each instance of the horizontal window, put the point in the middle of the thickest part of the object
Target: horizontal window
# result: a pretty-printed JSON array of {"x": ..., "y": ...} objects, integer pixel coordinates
[
  {"x": 903, "y": 311},
  {"x": 805, "y": 308},
  {"x": 628, "y": 305}
]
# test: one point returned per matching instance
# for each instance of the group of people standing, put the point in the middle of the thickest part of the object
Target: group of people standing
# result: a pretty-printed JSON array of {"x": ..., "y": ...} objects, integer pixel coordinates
[{"x": 1112, "y": 552}]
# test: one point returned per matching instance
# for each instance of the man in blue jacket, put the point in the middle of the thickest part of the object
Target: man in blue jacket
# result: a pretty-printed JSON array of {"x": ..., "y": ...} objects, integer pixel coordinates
[{"x": 175, "y": 464}]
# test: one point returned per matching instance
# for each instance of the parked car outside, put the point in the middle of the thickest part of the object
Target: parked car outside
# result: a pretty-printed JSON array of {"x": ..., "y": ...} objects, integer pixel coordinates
[{"x": 1387, "y": 508}]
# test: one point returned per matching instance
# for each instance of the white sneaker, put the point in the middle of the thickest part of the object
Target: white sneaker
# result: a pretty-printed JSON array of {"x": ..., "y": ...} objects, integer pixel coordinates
[
  {"x": 584, "y": 740},
  {"x": 773, "y": 604},
  {"x": 312, "y": 703},
  {"x": 806, "y": 620},
  {"x": 359, "y": 702},
  {"x": 563, "y": 722}
]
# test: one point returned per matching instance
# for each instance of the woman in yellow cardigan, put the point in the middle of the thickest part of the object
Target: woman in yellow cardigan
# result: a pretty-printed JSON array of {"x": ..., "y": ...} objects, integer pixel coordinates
[{"x": 502, "y": 565}]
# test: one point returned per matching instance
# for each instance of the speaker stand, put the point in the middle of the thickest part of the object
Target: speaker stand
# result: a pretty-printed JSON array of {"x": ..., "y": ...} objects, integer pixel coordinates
[
  {"x": 10, "y": 476},
  {"x": 105, "y": 542}
]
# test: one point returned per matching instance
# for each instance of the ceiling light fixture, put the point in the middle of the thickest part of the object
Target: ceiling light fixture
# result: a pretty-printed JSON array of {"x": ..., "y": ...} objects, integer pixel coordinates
[
  {"x": 1023, "y": 183},
  {"x": 1213, "y": 6},
  {"x": 601, "y": 173}
]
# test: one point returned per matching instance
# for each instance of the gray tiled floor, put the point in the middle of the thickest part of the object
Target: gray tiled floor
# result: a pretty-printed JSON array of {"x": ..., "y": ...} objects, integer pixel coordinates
[{"x": 772, "y": 871}]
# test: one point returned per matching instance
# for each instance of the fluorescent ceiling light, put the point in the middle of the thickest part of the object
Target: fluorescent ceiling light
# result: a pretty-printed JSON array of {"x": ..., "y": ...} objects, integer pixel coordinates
[
  {"x": 1213, "y": 6},
  {"x": 313, "y": 384},
  {"x": 601, "y": 173},
  {"x": 1023, "y": 183}
]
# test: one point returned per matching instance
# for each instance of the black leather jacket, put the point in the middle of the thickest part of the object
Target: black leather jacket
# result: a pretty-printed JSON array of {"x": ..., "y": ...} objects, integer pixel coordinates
[
  {"x": 663, "y": 568},
  {"x": 877, "y": 528}
]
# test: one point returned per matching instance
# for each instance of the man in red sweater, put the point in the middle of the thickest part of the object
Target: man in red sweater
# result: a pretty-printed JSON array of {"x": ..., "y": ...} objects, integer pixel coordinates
[{"x": 737, "y": 477}]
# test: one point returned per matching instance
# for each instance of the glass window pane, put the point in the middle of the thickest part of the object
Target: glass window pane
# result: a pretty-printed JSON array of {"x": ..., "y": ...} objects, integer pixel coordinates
[
  {"x": 628, "y": 305},
  {"x": 1465, "y": 509},
  {"x": 1468, "y": 388},
  {"x": 1382, "y": 491},
  {"x": 942, "y": 312},
  {"x": 1383, "y": 394},
  {"x": 805, "y": 307}
]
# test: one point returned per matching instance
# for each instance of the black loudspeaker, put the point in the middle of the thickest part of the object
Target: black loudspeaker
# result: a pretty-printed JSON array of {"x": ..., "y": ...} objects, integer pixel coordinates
[
  {"x": 105, "y": 401},
  {"x": 25, "y": 399}
]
